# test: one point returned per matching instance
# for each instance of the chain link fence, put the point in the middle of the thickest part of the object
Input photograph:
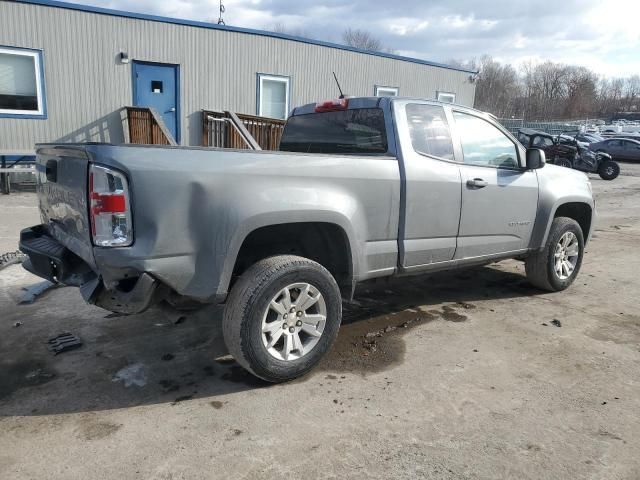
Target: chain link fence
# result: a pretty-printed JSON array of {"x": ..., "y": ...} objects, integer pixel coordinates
[{"x": 554, "y": 128}]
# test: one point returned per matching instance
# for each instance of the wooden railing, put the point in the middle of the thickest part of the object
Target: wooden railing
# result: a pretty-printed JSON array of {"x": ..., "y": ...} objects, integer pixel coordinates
[
  {"x": 231, "y": 130},
  {"x": 146, "y": 127},
  {"x": 266, "y": 131}
]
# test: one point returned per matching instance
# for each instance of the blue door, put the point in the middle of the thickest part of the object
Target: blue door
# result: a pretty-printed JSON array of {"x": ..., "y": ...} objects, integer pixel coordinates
[{"x": 155, "y": 85}]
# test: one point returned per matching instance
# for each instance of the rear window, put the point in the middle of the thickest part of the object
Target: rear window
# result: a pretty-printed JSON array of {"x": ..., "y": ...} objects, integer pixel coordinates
[{"x": 357, "y": 131}]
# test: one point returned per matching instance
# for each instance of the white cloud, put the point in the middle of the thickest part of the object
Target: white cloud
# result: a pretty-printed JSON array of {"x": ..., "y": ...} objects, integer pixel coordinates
[{"x": 602, "y": 35}]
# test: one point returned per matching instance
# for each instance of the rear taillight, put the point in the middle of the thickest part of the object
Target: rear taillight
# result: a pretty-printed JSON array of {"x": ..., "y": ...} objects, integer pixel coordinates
[{"x": 109, "y": 208}]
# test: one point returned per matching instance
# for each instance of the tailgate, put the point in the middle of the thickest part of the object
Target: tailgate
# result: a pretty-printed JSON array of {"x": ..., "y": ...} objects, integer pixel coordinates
[{"x": 62, "y": 196}]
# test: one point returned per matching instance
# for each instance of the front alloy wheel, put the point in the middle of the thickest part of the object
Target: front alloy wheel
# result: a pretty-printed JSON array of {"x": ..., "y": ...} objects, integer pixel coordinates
[
  {"x": 556, "y": 266},
  {"x": 566, "y": 255}
]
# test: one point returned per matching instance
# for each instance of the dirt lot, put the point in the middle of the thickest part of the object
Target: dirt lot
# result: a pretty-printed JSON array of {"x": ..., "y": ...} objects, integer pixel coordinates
[{"x": 475, "y": 381}]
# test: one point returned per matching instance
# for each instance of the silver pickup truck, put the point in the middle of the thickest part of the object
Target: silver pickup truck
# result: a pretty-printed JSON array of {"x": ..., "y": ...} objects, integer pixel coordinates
[{"x": 361, "y": 188}]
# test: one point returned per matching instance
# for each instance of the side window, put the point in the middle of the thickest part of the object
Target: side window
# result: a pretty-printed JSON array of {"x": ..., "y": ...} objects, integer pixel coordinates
[
  {"x": 614, "y": 143},
  {"x": 429, "y": 130},
  {"x": 484, "y": 144}
]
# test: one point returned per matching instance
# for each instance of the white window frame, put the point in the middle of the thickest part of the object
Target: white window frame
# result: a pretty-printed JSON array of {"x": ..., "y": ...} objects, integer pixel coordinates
[
  {"x": 440, "y": 95},
  {"x": 274, "y": 78},
  {"x": 383, "y": 88},
  {"x": 39, "y": 72}
]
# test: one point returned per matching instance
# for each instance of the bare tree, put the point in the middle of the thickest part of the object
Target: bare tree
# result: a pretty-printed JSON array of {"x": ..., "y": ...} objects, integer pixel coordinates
[
  {"x": 551, "y": 91},
  {"x": 280, "y": 27},
  {"x": 632, "y": 93},
  {"x": 361, "y": 39},
  {"x": 497, "y": 86}
]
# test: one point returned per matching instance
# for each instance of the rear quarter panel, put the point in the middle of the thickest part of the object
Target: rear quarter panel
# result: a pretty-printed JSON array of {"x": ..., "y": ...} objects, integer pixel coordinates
[{"x": 193, "y": 208}]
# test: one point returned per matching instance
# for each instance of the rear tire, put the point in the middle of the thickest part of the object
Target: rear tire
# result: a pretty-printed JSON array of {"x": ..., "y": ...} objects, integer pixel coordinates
[
  {"x": 266, "y": 309},
  {"x": 608, "y": 170},
  {"x": 542, "y": 266}
]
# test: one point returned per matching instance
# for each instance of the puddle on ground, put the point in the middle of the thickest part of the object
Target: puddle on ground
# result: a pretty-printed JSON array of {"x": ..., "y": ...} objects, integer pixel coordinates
[
  {"x": 621, "y": 330},
  {"x": 375, "y": 344},
  {"x": 23, "y": 373}
]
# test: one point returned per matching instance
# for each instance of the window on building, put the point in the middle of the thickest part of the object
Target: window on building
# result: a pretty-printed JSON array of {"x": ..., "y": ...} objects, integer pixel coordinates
[
  {"x": 483, "y": 143},
  {"x": 21, "y": 88},
  {"x": 429, "y": 130},
  {"x": 446, "y": 97},
  {"x": 381, "y": 91},
  {"x": 273, "y": 96}
]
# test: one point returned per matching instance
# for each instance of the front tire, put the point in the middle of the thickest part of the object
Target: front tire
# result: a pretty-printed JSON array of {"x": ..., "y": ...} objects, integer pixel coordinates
[
  {"x": 608, "y": 170},
  {"x": 282, "y": 316},
  {"x": 556, "y": 266}
]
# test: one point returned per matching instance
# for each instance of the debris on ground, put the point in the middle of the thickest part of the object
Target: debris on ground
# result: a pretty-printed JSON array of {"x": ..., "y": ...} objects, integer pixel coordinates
[
  {"x": 133, "y": 374},
  {"x": 182, "y": 399},
  {"x": 38, "y": 374},
  {"x": 370, "y": 345},
  {"x": 11, "y": 258},
  {"x": 556, "y": 323},
  {"x": 17, "y": 324},
  {"x": 226, "y": 360},
  {"x": 63, "y": 343},
  {"x": 32, "y": 292},
  {"x": 167, "y": 357}
]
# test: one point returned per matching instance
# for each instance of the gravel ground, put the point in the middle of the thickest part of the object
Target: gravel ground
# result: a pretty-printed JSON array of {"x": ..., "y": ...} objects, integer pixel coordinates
[{"x": 457, "y": 375}]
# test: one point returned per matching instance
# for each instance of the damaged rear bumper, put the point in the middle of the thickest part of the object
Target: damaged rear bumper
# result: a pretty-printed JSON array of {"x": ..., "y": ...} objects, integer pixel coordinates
[{"x": 51, "y": 260}]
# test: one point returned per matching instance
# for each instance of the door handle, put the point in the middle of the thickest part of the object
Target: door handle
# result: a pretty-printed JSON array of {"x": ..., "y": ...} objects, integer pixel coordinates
[
  {"x": 171, "y": 110},
  {"x": 477, "y": 183}
]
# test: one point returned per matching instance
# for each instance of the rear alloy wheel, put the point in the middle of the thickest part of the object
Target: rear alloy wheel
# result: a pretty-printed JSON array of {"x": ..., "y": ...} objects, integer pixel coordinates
[
  {"x": 556, "y": 266},
  {"x": 293, "y": 323},
  {"x": 282, "y": 316},
  {"x": 608, "y": 170},
  {"x": 564, "y": 162}
]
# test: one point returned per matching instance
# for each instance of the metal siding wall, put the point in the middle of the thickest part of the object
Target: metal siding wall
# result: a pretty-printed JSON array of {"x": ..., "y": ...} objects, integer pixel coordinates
[{"x": 86, "y": 86}]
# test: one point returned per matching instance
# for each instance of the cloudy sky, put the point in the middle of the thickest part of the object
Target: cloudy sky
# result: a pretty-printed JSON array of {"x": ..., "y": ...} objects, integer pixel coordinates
[{"x": 603, "y": 35}]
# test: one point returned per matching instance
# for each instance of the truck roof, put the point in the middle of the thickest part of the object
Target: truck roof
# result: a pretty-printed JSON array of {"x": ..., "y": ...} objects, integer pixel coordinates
[{"x": 370, "y": 102}]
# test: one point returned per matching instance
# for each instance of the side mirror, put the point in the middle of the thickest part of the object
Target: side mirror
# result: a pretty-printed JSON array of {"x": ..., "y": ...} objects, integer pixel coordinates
[{"x": 535, "y": 158}]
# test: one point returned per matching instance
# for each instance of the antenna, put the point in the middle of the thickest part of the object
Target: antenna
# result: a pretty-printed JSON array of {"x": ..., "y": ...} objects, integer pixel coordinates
[
  {"x": 220, "y": 20},
  {"x": 338, "y": 83}
]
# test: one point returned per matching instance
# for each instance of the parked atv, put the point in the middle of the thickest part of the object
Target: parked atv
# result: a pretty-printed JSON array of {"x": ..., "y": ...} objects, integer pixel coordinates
[
  {"x": 587, "y": 160},
  {"x": 566, "y": 151}
]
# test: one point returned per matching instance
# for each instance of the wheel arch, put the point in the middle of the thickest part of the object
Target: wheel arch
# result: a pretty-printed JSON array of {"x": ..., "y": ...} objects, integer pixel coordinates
[
  {"x": 326, "y": 238},
  {"x": 580, "y": 211}
]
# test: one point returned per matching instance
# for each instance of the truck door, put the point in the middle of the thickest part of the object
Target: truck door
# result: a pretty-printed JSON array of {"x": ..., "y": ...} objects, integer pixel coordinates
[
  {"x": 431, "y": 196},
  {"x": 499, "y": 199}
]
